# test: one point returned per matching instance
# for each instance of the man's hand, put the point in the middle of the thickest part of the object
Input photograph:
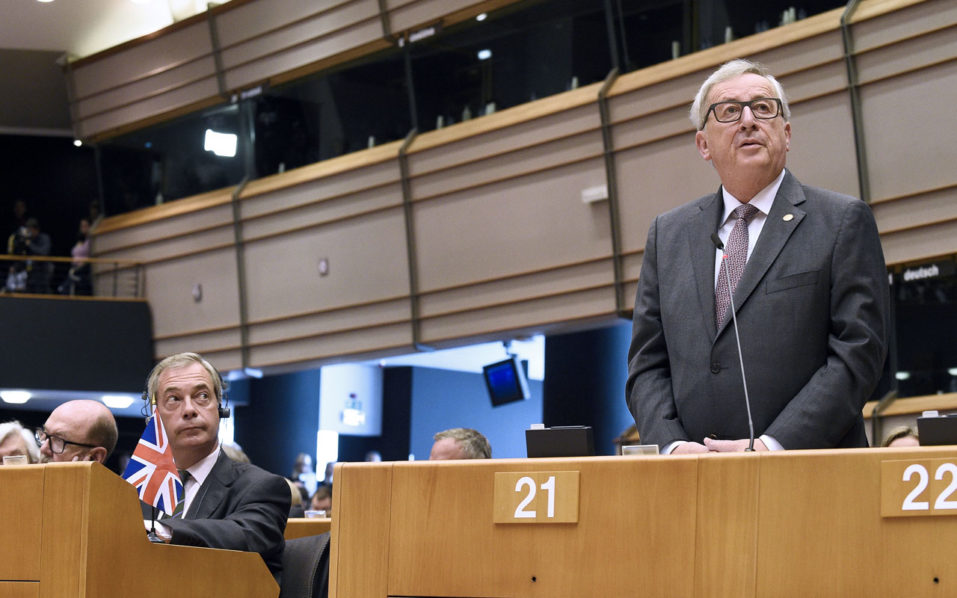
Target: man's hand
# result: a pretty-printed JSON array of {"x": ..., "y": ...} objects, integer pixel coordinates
[
  {"x": 688, "y": 448},
  {"x": 732, "y": 446}
]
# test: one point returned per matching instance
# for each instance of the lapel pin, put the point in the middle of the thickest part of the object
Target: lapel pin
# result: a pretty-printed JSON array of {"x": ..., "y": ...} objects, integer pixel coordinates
[{"x": 788, "y": 217}]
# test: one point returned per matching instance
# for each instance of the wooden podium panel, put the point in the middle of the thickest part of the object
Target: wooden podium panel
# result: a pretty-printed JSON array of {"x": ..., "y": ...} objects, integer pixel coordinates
[
  {"x": 788, "y": 524},
  {"x": 82, "y": 536},
  {"x": 300, "y": 527}
]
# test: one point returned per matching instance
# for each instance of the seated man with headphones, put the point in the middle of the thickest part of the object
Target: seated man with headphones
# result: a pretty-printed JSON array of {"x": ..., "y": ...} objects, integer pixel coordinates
[{"x": 229, "y": 505}]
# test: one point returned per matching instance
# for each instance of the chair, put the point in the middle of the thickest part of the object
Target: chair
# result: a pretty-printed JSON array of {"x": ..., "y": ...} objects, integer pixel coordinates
[{"x": 305, "y": 567}]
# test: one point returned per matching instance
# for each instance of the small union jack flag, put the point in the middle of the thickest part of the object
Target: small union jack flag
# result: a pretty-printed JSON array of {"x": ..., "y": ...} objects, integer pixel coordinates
[{"x": 152, "y": 471}]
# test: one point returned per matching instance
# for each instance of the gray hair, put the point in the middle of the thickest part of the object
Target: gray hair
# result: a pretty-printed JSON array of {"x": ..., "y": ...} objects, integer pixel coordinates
[
  {"x": 474, "y": 444},
  {"x": 730, "y": 70},
  {"x": 14, "y": 427},
  {"x": 177, "y": 361}
]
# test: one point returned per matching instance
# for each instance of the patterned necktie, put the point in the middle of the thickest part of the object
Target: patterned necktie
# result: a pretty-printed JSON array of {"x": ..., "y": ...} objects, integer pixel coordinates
[
  {"x": 178, "y": 511},
  {"x": 736, "y": 256}
]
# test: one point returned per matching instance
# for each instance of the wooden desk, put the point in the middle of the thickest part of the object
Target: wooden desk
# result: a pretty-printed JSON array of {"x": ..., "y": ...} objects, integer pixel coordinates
[
  {"x": 75, "y": 530},
  {"x": 801, "y": 523},
  {"x": 300, "y": 527}
]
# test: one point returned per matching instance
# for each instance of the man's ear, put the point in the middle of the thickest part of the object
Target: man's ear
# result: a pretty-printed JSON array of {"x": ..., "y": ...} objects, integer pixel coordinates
[
  {"x": 701, "y": 142},
  {"x": 98, "y": 454}
]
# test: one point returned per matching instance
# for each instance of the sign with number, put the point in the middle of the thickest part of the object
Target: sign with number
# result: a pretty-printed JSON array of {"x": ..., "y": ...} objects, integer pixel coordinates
[
  {"x": 915, "y": 488},
  {"x": 536, "y": 497}
]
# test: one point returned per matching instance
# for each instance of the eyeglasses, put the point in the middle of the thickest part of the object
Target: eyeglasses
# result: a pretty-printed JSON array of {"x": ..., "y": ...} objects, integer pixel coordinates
[
  {"x": 57, "y": 444},
  {"x": 731, "y": 111}
]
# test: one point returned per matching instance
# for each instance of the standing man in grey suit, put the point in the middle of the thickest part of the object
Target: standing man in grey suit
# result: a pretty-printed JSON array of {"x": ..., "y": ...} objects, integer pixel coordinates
[
  {"x": 227, "y": 504},
  {"x": 809, "y": 284}
]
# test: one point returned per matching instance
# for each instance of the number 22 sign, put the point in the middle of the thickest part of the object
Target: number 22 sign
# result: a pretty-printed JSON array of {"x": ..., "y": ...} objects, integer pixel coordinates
[
  {"x": 914, "y": 488},
  {"x": 536, "y": 497}
]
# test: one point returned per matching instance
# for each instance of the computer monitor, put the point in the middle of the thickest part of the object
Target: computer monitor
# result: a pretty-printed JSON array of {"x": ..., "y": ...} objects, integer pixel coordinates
[
  {"x": 560, "y": 441},
  {"x": 506, "y": 381}
]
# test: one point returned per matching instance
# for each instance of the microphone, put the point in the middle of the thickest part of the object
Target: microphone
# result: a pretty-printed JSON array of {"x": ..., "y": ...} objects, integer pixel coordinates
[{"x": 734, "y": 320}]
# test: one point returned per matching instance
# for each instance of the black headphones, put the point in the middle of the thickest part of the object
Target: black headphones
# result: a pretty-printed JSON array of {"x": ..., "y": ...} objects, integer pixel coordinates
[{"x": 220, "y": 384}]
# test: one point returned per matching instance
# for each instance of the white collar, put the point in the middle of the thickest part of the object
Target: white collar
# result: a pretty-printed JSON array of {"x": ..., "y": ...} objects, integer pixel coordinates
[
  {"x": 199, "y": 471},
  {"x": 762, "y": 199}
]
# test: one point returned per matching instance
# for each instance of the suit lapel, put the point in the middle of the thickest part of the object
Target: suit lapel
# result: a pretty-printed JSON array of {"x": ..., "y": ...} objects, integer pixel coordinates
[
  {"x": 702, "y": 255},
  {"x": 214, "y": 489},
  {"x": 783, "y": 219}
]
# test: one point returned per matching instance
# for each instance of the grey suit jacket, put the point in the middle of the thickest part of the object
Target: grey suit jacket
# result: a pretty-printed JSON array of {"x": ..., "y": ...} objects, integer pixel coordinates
[
  {"x": 238, "y": 507},
  {"x": 812, "y": 309}
]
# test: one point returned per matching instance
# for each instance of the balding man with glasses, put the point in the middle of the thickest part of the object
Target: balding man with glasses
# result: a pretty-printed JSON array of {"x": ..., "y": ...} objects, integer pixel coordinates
[
  {"x": 806, "y": 272},
  {"x": 79, "y": 430}
]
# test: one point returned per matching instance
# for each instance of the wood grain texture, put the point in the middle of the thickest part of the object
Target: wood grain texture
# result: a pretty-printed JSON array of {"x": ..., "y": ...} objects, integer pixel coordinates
[{"x": 88, "y": 541}]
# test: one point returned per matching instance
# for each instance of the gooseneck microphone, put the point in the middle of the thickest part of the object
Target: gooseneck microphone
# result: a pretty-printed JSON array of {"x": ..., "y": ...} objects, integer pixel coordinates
[{"x": 734, "y": 320}]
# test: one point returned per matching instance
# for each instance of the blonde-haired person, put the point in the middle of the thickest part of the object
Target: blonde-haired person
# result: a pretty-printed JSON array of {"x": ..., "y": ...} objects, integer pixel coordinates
[{"x": 901, "y": 436}]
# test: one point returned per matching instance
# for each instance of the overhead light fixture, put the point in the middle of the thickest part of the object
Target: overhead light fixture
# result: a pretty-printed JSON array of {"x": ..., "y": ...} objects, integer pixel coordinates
[
  {"x": 484, "y": 54},
  {"x": 77, "y": 143},
  {"x": 952, "y": 371},
  {"x": 902, "y": 375},
  {"x": 15, "y": 397},
  {"x": 481, "y": 17},
  {"x": 117, "y": 401},
  {"x": 221, "y": 144},
  {"x": 44, "y": 1}
]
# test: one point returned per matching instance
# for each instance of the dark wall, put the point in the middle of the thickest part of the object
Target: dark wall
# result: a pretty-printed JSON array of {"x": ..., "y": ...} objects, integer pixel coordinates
[
  {"x": 585, "y": 376},
  {"x": 443, "y": 399},
  {"x": 89, "y": 345},
  {"x": 281, "y": 420},
  {"x": 57, "y": 181}
]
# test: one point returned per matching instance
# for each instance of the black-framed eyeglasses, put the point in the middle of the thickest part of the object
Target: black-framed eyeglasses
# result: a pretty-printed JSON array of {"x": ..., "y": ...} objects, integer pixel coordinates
[
  {"x": 57, "y": 444},
  {"x": 731, "y": 111}
]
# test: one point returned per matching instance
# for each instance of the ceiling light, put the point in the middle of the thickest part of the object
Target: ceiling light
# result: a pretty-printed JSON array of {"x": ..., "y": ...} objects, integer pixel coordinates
[
  {"x": 484, "y": 54},
  {"x": 481, "y": 17},
  {"x": 44, "y": 1},
  {"x": 15, "y": 397},
  {"x": 117, "y": 401},
  {"x": 902, "y": 375},
  {"x": 77, "y": 143}
]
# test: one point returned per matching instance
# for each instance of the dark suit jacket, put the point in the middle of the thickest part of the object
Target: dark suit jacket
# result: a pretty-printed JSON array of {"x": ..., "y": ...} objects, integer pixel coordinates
[
  {"x": 812, "y": 309},
  {"x": 238, "y": 507}
]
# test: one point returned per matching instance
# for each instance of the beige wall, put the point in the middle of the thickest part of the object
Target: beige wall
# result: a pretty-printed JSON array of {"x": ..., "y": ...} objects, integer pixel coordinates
[{"x": 503, "y": 243}]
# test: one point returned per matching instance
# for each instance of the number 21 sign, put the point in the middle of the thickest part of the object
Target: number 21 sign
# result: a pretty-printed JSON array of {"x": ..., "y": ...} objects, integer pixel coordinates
[{"x": 536, "y": 497}]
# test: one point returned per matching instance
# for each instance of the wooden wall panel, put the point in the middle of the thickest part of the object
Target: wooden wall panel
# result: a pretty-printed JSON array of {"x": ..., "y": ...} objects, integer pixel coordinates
[
  {"x": 822, "y": 144},
  {"x": 267, "y": 66},
  {"x": 293, "y": 21},
  {"x": 405, "y": 14},
  {"x": 916, "y": 211},
  {"x": 385, "y": 313},
  {"x": 916, "y": 244},
  {"x": 910, "y": 147},
  {"x": 367, "y": 262},
  {"x": 655, "y": 178},
  {"x": 525, "y": 224},
  {"x": 160, "y": 230},
  {"x": 356, "y": 205},
  {"x": 114, "y": 69},
  {"x": 169, "y": 288},
  {"x": 148, "y": 107},
  {"x": 913, "y": 18},
  {"x": 200, "y": 342},
  {"x": 200, "y": 71},
  {"x": 565, "y": 279},
  {"x": 538, "y": 314},
  {"x": 312, "y": 351}
]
